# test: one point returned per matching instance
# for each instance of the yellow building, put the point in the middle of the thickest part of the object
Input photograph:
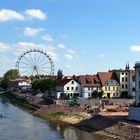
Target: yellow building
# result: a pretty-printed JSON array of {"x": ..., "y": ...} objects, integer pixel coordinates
[{"x": 110, "y": 84}]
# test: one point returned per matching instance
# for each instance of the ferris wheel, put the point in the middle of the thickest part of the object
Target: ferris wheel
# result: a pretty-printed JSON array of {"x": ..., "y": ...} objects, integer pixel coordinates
[{"x": 35, "y": 62}]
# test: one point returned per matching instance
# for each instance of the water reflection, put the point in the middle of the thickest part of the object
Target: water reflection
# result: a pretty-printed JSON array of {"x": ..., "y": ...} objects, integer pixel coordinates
[
  {"x": 70, "y": 133},
  {"x": 20, "y": 125}
]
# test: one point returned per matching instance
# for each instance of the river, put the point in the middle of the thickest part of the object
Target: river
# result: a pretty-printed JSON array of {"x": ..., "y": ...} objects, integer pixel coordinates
[{"x": 17, "y": 124}]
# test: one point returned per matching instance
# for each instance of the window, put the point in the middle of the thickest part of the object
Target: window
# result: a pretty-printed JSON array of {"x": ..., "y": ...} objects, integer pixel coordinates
[
  {"x": 117, "y": 88},
  {"x": 108, "y": 88},
  {"x": 72, "y": 88},
  {"x": 89, "y": 88},
  {"x": 122, "y": 79},
  {"x": 133, "y": 89},
  {"x": 126, "y": 79},
  {"x": 122, "y": 86},
  {"x": 113, "y": 88},
  {"x": 122, "y": 73},
  {"x": 105, "y": 88},
  {"x": 76, "y": 88},
  {"x": 126, "y": 73},
  {"x": 67, "y": 88},
  {"x": 126, "y": 86},
  {"x": 113, "y": 94},
  {"x": 72, "y": 82}
]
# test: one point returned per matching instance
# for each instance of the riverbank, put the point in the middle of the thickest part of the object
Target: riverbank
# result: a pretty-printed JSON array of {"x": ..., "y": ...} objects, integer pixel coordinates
[
  {"x": 21, "y": 103},
  {"x": 112, "y": 124}
]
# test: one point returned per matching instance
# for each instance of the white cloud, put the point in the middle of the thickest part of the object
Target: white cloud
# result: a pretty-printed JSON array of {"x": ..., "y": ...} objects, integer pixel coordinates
[
  {"x": 71, "y": 54},
  {"x": 62, "y": 46},
  {"x": 102, "y": 56},
  {"x": 6, "y": 15},
  {"x": 68, "y": 56},
  {"x": 32, "y": 31},
  {"x": 68, "y": 66},
  {"x": 35, "y": 13},
  {"x": 135, "y": 48},
  {"x": 47, "y": 37},
  {"x": 4, "y": 47},
  {"x": 72, "y": 51}
]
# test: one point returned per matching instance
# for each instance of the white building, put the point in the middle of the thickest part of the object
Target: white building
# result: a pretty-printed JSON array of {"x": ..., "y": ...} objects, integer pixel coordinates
[
  {"x": 69, "y": 87},
  {"x": 89, "y": 84}
]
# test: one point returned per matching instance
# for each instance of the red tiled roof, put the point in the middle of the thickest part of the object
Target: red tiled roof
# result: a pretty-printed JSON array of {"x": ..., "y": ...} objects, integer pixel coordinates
[
  {"x": 104, "y": 76},
  {"x": 63, "y": 82},
  {"x": 89, "y": 81},
  {"x": 21, "y": 80}
]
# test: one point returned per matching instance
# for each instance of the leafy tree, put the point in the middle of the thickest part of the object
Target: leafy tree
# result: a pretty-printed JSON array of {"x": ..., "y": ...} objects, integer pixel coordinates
[
  {"x": 44, "y": 84},
  {"x": 11, "y": 74},
  {"x": 35, "y": 84},
  {"x": 95, "y": 94}
]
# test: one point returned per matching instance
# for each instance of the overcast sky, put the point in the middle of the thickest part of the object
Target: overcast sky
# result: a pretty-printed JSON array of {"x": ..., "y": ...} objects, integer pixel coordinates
[{"x": 81, "y": 36}]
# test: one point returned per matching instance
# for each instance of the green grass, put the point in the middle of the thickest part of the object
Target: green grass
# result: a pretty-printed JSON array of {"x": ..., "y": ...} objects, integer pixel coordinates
[
  {"x": 20, "y": 102},
  {"x": 53, "y": 116}
]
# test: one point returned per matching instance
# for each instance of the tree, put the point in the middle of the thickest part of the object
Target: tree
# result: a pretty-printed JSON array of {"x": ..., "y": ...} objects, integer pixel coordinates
[
  {"x": 95, "y": 94},
  {"x": 59, "y": 74},
  {"x": 11, "y": 74},
  {"x": 35, "y": 84},
  {"x": 44, "y": 84}
]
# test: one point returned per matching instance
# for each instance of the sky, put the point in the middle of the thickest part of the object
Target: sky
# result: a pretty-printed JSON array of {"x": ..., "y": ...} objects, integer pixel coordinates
[{"x": 81, "y": 36}]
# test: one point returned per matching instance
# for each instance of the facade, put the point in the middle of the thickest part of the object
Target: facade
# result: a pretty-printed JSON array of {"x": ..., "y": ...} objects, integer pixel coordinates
[
  {"x": 69, "y": 87},
  {"x": 110, "y": 84},
  {"x": 127, "y": 82},
  {"x": 114, "y": 83},
  {"x": 137, "y": 82},
  {"x": 20, "y": 85},
  {"x": 134, "y": 111},
  {"x": 89, "y": 84}
]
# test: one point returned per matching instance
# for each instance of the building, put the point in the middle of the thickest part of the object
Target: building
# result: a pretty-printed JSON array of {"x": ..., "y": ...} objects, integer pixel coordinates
[
  {"x": 69, "y": 87},
  {"x": 137, "y": 83},
  {"x": 127, "y": 82},
  {"x": 134, "y": 111},
  {"x": 109, "y": 83},
  {"x": 20, "y": 85},
  {"x": 89, "y": 84}
]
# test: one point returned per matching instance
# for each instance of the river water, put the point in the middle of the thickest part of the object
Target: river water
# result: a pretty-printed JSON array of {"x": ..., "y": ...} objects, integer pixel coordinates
[{"x": 17, "y": 124}]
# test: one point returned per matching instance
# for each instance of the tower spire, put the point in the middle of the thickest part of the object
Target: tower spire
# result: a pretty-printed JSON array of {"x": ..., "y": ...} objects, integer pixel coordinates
[{"x": 126, "y": 67}]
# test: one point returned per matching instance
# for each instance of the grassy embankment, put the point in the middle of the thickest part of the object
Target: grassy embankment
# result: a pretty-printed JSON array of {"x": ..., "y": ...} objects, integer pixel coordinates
[{"x": 21, "y": 103}]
